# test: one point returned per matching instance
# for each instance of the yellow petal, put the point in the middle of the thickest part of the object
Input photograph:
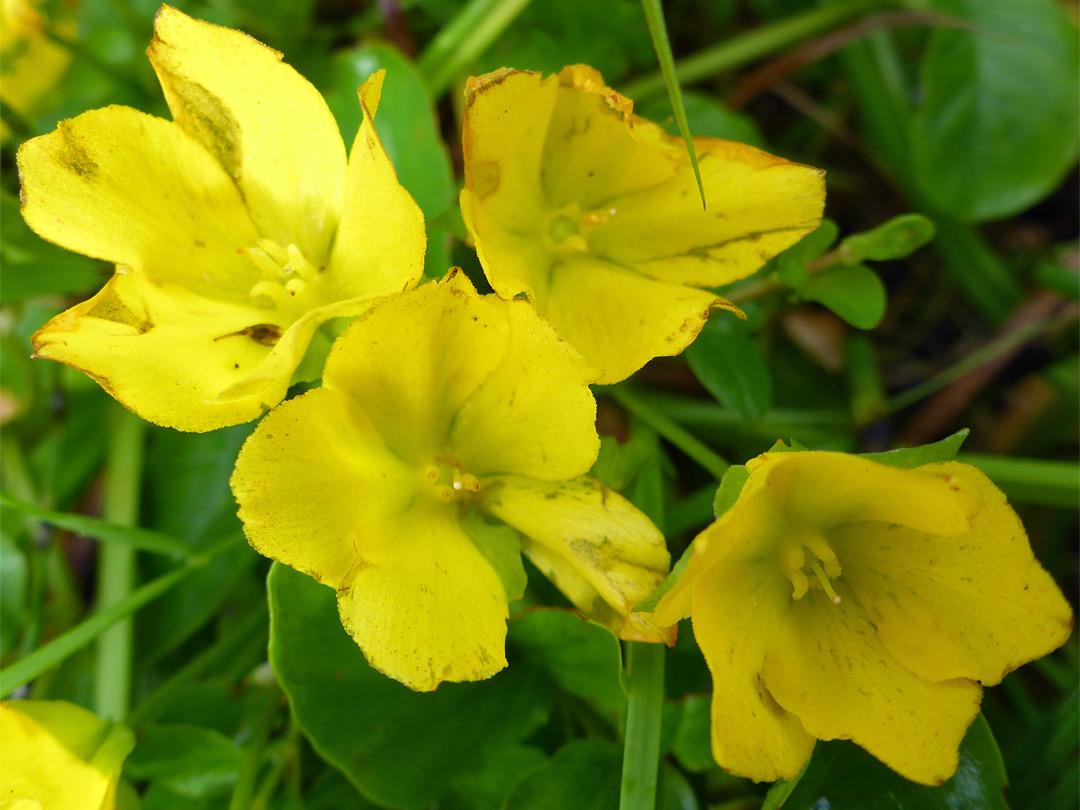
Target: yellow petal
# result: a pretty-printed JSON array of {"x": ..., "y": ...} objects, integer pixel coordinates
[
  {"x": 620, "y": 320},
  {"x": 748, "y": 532},
  {"x": 596, "y": 150},
  {"x": 417, "y": 358},
  {"x": 976, "y": 605},
  {"x": 534, "y": 415},
  {"x": 311, "y": 479},
  {"x": 60, "y": 756},
  {"x": 823, "y": 490},
  {"x": 604, "y": 554},
  {"x": 425, "y": 606},
  {"x": 828, "y": 667},
  {"x": 178, "y": 359},
  {"x": 757, "y": 206},
  {"x": 506, "y": 116},
  {"x": 738, "y": 609},
  {"x": 379, "y": 246},
  {"x": 123, "y": 186},
  {"x": 265, "y": 123}
]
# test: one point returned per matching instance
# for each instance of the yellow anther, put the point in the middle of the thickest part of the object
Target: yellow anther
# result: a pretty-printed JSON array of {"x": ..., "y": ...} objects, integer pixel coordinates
[
  {"x": 826, "y": 585},
  {"x": 431, "y": 473},
  {"x": 594, "y": 218}
]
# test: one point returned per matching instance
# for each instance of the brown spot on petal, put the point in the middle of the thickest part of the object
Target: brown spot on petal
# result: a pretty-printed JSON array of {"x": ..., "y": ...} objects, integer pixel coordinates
[
  {"x": 485, "y": 179},
  {"x": 73, "y": 154}
]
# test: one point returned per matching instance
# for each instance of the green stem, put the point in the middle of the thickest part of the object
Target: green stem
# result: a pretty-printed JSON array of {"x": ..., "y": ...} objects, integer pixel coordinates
[
  {"x": 678, "y": 436},
  {"x": 464, "y": 38},
  {"x": 237, "y": 633},
  {"x": 42, "y": 660},
  {"x": 287, "y": 757},
  {"x": 641, "y": 755},
  {"x": 978, "y": 358},
  {"x": 116, "y": 564},
  {"x": 753, "y": 45},
  {"x": 1031, "y": 480}
]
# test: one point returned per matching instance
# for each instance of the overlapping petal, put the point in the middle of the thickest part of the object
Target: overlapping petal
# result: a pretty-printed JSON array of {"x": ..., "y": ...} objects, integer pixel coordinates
[
  {"x": 828, "y": 667},
  {"x": 265, "y": 124},
  {"x": 604, "y": 554},
  {"x": 738, "y": 610},
  {"x": 974, "y": 606},
  {"x": 580, "y": 205}
]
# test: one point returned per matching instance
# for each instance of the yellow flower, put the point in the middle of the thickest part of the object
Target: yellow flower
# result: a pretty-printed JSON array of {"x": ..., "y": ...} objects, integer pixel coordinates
[
  {"x": 840, "y": 598},
  {"x": 447, "y": 424},
  {"x": 58, "y": 756},
  {"x": 238, "y": 229},
  {"x": 594, "y": 213},
  {"x": 30, "y": 63}
]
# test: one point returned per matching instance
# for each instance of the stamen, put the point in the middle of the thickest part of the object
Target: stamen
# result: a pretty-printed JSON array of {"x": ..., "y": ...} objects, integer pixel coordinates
[{"x": 826, "y": 585}]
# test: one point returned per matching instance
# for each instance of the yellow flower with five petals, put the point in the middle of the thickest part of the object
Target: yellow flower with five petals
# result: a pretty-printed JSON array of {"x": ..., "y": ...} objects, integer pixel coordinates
[
  {"x": 452, "y": 433},
  {"x": 238, "y": 228},
  {"x": 594, "y": 213},
  {"x": 59, "y": 756},
  {"x": 840, "y": 598}
]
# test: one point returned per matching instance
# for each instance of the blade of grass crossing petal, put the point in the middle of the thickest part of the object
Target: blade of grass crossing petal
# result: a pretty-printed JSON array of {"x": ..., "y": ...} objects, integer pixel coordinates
[
  {"x": 464, "y": 38},
  {"x": 654, "y": 18}
]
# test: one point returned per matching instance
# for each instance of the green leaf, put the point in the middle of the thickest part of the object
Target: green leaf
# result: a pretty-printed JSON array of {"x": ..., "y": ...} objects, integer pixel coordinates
[
  {"x": 692, "y": 746},
  {"x": 673, "y": 791},
  {"x": 31, "y": 267},
  {"x": 408, "y": 128},
  {"x": 501, "y": 547},
  {"x": 486, "y": 788},
  {"x": 584, "y": 658},
  {"x": 841, "y": 776},
  {"x": 400, "y": 748},
  {"x": 583, "y": 775},
  {"x": 899, "y": 237},
  {"x": 727, "y": 361},
  {"x": 854, "y": 293},
  {"x": 654, "y": 18},
  {"x": 190, "y": 760},
  {"x": 908, "y": 457},
  {"x": 619, "y": 462},
  {"x": 730, "y": 487},
  {"x": 791, "y": 267},
  {"x": 998, "y": 128},
  {"x": 782, "y": 790}
]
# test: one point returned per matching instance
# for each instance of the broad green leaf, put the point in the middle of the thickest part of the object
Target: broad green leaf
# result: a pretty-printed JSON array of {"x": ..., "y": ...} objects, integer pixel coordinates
[
  {"x": 998, "y": 127},
  {"x": 854, "y": 293},
  {"x": 583, "y": 775},
  {"x": 486, "y": 787},
  {"x": 408, "y": 128},
  {"x": 13, "y": 582},
  {"x": 692, "y": 746},
  {"x": 906, "y": 457},
  {"x": 841, "y": 776},
  {"x": 400, "y": 748},
  {"x": 791, "y": 265},
  {"x": 899, "y": 237},
  {"x": 673, "y": 791},
  {"x": 582, "y": 657},
  {"x": 190, "y": 760},
  {"x": 727, "y": 361},
  {"x": 619, "y": 462}
]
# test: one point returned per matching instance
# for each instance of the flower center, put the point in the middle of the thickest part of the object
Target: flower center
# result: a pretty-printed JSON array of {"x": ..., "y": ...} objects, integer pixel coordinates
[
  {"x": 815, "y": 569},
  {"x": 565, "y": 230},
  {"x": 447, "y": 480},
  {"x": 289, "y": 280}
]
